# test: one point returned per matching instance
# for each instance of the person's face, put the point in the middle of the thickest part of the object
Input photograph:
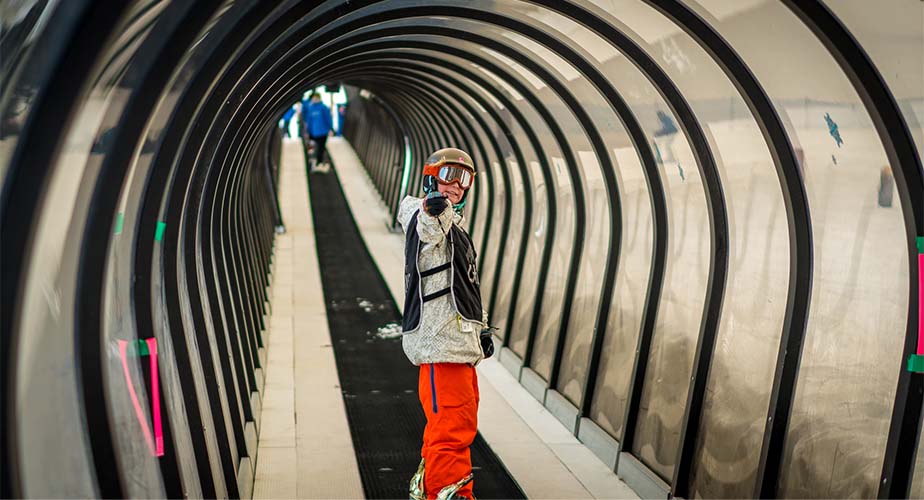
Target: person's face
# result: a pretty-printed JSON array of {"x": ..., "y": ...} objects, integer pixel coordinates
[
  {"x": 451, "y": 191},
  {"x": 316, "y": 98}
]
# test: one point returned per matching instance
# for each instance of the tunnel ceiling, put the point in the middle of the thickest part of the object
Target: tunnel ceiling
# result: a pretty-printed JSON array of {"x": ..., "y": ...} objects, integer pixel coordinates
[{"x": 153, "y": 114}]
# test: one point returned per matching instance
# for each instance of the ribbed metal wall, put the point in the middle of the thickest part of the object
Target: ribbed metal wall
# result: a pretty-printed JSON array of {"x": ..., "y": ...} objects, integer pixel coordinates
[{"x": 697, "y": 225}]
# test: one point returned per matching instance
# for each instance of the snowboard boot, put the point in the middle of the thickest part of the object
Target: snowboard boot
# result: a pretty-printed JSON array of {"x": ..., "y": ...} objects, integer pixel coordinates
[
  {"x": 417, "y": 484},
  {"x": 449, "y": 492}
]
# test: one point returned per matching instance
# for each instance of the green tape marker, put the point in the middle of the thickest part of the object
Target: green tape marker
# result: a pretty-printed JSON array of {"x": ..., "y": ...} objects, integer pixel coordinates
[
  {"x": 920, "y": 244},
  {"x": 916, "y": 364},
  {"x": 159, "y": 234},
  {"x": 120, "y": 220},
  {"x": 137, "y": 348},
  {"x": 142, "y": 348}
]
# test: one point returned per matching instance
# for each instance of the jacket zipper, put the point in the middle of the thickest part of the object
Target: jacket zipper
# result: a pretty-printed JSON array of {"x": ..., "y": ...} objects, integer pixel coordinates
[{"x": 433, "y": 387}]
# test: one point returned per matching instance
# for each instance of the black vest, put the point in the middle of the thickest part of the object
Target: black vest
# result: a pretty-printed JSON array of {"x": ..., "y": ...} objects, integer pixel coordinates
[{"x": 464, "y": 288}]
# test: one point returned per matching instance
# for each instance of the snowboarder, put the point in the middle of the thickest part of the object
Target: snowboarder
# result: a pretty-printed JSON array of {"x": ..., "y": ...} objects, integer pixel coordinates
[{"x": 445, "y": 328}]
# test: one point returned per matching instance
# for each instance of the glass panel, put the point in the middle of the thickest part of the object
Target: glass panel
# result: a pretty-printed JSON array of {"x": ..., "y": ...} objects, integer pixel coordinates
[
  {"x": 755, "y": 293},
  {"x": 680, "y": 310},
  {"x": 494, "y": 231},
  {"x": 892, "y": 34},
  {"x": 610, "y": 396},
  {"x": 562, "y": 249},
  {"x": 596, "y": 240},
  {"x": 529, "y": 281},
  {"x": 853, "y": 343},
  {"x": 589, "y": 287},
  {"x": 677, "y": 328},
  {"x": 128, "y": 365},
  {"x": 496, "y": 225},
  {"x": 596, "y": 224},
  {"x": 483, "y": 189},
  {"x": 501, "y": 310},
  {"x": 635, "y": 251}
]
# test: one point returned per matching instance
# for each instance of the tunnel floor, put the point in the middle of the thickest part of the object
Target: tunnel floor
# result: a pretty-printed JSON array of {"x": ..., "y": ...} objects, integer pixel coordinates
[{"x": 377, "y": 381}]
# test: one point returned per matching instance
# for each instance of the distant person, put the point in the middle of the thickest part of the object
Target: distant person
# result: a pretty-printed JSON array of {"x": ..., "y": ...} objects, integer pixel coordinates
[
  {"x": 287, "y": 119},
  {"x": 318, "y": 124},
  {"x": 341, "y": 112},
  {"x": 445, "y": 328}
]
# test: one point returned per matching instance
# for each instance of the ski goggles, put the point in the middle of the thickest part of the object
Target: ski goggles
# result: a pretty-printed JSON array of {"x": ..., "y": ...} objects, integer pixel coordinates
[{"x": 448, "y": 173}]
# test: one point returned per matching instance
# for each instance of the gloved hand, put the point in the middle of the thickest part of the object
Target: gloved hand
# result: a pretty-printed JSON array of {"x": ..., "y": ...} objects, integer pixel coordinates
[
  {"x": 435, "y": 204},
  {"x": 487, "y": 343}
]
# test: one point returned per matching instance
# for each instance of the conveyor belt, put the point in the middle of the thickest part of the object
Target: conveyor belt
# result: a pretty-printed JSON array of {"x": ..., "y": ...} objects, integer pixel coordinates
[{"x": 379, "y": 384}]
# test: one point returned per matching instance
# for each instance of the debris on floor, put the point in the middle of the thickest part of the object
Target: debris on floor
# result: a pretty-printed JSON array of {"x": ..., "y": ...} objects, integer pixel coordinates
[{"x": 389, "y": 331}]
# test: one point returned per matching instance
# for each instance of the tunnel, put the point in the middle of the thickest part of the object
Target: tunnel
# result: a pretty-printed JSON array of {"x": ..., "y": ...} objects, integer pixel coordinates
[{"x": 699, "y": 228}]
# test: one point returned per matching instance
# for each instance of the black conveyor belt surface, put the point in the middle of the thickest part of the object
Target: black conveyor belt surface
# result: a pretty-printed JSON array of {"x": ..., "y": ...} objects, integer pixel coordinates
[{"x": 379, "y": 384}]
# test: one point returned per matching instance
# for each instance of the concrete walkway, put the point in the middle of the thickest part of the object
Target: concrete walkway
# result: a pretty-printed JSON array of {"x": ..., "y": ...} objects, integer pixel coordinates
[{"x": 305, "y": 449}]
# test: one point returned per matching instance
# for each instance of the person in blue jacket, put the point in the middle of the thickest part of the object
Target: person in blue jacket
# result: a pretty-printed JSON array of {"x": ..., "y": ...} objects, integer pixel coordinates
[
  {"x": 286, "y": 119},
  {"x": 318, "y": 124}
]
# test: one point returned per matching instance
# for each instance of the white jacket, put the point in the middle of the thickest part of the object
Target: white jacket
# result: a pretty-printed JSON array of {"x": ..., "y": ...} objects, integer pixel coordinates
[{"x": 443, "y": 336}]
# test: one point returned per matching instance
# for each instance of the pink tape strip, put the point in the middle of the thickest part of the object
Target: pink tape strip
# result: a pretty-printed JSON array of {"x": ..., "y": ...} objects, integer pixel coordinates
[
  {"x": 155, "y": 388},
  {"x": 142, "y": 419},
  {"x": 921, "y": 304}
]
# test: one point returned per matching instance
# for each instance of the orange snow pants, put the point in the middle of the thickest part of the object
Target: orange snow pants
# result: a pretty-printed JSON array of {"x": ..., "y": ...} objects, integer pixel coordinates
[{"x": 449, "y": 396}]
